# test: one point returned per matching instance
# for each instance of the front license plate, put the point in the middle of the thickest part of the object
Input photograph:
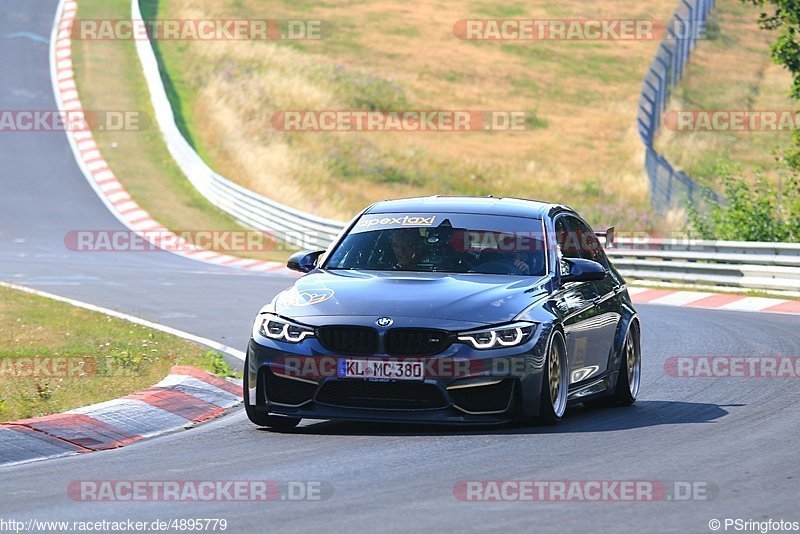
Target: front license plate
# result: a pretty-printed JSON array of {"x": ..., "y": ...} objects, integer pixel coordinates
[{"x": 396, "y": 370}]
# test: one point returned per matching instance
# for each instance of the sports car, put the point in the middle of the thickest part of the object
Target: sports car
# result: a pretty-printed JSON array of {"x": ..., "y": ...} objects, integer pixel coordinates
[{"x": 447, "y": 310}]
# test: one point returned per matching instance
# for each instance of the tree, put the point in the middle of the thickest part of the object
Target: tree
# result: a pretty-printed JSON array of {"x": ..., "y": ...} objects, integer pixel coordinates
[
  {"x": 753, "y": 212},
  {"x": 784, "y": 16}
]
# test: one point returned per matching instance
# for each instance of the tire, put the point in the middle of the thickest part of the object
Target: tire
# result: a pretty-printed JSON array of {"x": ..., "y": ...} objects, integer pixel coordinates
[
  {"x": 555, "y": 383},
  {"x": 630, "y": 369},
  {"x": 623, "y": 394},
  {"x": 262, "y": 418}
]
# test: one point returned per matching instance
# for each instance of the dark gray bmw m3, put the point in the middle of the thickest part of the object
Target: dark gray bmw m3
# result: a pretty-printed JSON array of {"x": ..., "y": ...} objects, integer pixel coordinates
[{"x": 447, "y": 310}]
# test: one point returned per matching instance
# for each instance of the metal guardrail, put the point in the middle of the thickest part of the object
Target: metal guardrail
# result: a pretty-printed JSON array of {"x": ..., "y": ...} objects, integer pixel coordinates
[
  {"x": 751, "y": 265},
  {"x": 742, "y": 264},
  {"x": 669, "y": 187},
  {"x": 249, "y": 208}
]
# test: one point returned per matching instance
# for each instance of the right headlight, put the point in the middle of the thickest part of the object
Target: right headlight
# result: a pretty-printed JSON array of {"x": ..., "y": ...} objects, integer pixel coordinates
[
  {"x": 509, "y": 335},
  {"x": 275, "y": 327}
]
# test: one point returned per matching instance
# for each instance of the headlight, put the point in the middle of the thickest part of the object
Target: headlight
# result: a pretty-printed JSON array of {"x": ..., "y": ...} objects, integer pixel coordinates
[
  {"x": 274, "y": 327},
  {"x": 509, "y": 335}
]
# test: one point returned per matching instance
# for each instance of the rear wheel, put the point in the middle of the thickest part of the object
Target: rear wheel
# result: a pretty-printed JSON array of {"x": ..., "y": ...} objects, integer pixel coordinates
[
  {"x": 630, "y": 369},
  {"x": 555, "y": 383},
  {"x": 263, "y": 418},
  {"x": 629, "y": 375}
]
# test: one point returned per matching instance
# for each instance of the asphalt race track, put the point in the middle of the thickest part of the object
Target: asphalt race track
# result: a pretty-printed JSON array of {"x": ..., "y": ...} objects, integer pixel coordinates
[
  {"x": 738, "y": 436},
  {"x": 45, "y": 195}
]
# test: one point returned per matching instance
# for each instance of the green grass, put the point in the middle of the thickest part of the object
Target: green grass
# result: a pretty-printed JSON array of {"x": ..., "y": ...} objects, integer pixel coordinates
[
  {"x": 731, "y": 70},
  {"x": 503, "y": 11},
  {"x": 120, "y": 357},
  {"x": 579, "y": 148},
  {"x": 388, "y": 55},
  {"x": 109, "y": 77}
]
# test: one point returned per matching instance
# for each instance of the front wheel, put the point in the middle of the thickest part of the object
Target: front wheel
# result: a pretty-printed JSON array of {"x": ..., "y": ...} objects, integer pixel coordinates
[
  {"x": 262, "y": 418},
  {"x": 555, "y": 383}
]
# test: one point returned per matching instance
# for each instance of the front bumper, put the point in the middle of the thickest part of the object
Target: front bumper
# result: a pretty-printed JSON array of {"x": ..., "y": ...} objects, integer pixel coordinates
[{"x": 495, "y": 386}]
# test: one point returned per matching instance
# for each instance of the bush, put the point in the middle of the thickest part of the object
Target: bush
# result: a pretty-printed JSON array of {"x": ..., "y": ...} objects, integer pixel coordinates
[
  {"x": 753, "y": 212},
  {"x": 220, "y": 366}
]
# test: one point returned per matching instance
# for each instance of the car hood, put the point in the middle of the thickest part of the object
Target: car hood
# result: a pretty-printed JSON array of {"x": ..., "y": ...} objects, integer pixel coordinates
[{"x": 474, "y": 298}]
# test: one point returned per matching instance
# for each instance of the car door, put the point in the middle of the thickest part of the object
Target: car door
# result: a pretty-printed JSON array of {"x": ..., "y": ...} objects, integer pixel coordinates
[
  {"x": 605, "y": 315},
  {"x": 575, "y": 303}
]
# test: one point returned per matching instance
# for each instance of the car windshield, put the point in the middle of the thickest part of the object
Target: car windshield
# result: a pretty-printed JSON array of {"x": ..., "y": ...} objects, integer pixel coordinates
[{"x": 443, "y": 242}]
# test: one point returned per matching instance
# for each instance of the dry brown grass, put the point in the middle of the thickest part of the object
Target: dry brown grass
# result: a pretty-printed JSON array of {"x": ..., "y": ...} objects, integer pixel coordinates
[
  {"x": 584, "y": 150},
  {"x": 731, "y": 72},
  {"x": 109, "y": 77}
]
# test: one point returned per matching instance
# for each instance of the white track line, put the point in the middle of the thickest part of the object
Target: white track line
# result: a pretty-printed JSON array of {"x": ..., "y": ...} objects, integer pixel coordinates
[
  {"x": 91, "y": 162},
  {"x": 236, "y": 353}
]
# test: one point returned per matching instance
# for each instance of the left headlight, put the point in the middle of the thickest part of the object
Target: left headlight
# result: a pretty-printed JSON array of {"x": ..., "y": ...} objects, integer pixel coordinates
[
  {"x": 275, "y": 327},
  {"x": 509, "y": 335}
]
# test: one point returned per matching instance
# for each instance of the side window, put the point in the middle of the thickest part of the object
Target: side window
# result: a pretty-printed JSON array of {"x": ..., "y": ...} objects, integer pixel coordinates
[
  {"x": 567, "y": 245},
  {"x": 587, "y": 242},
  {"x": 567, "y": 242}
]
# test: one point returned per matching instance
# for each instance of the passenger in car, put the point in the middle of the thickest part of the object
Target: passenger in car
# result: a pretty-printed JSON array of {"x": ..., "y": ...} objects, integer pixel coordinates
[{"x": 406, "y": 245}]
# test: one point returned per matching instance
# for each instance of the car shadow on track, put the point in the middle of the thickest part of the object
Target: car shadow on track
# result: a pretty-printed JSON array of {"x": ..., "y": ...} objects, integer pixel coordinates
[{"x": 577, "y": 419}]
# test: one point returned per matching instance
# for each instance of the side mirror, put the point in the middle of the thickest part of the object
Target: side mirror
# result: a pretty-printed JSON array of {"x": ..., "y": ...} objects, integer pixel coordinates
[
  {"x": 304, "y": 261},
  {"x": 580, "y": 270}
]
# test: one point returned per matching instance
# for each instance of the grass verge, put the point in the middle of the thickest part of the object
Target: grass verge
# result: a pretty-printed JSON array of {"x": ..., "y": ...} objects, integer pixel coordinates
[
  {"x": 88, "y": 356},
  {"x": 109, "y": 77},
  {"x": 580, "y": 98},
  {"x": 732, "y": 70}
]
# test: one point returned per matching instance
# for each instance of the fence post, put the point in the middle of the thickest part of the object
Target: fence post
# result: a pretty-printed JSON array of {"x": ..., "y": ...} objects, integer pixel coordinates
[{"x": 665, "y": 71}]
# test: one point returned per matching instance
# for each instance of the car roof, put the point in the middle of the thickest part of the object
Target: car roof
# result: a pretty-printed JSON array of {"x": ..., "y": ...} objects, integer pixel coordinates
[{"x": 514, "y": 207}]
